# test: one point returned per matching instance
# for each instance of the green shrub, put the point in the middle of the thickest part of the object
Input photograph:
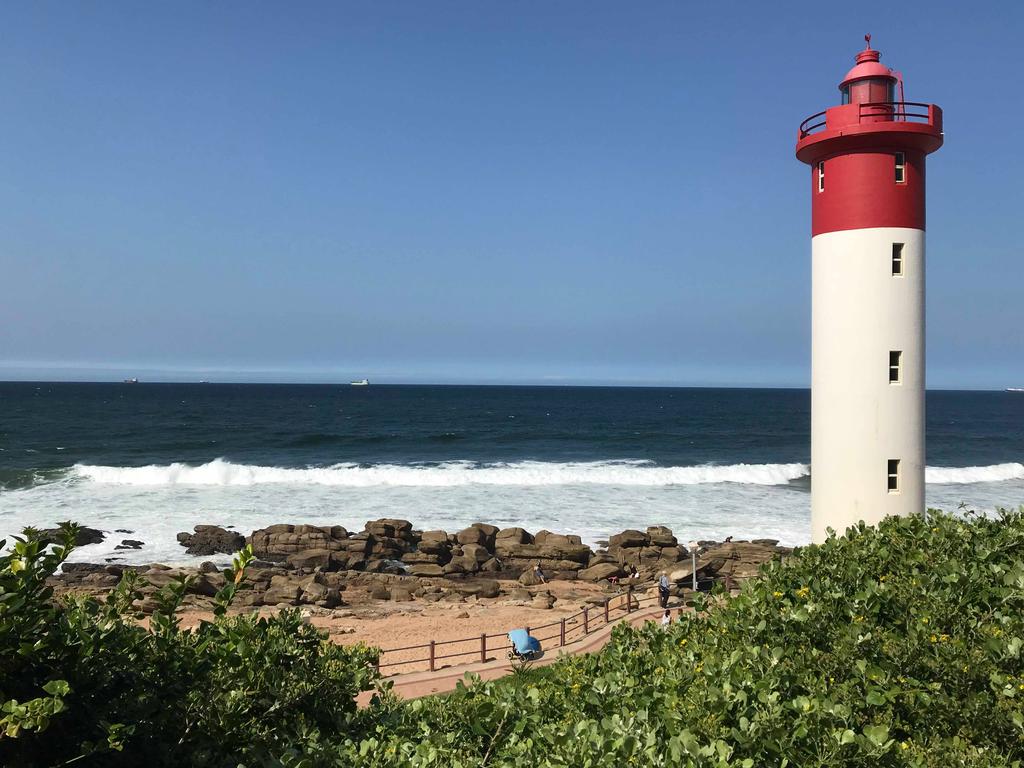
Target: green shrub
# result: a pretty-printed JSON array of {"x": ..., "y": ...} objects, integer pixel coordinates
[
  {"x": 83, "y": 679},
  {"x": 895, "y": 646},
  {"x": 899, "y": 645}
]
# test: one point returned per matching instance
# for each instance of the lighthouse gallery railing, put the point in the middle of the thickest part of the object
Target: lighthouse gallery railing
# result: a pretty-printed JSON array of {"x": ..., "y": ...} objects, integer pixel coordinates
[{"x": 908, "y": 111}]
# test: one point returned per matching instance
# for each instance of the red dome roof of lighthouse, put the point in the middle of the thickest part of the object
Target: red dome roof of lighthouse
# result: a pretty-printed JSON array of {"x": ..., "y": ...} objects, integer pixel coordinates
[{"x": 867, "y": 66}]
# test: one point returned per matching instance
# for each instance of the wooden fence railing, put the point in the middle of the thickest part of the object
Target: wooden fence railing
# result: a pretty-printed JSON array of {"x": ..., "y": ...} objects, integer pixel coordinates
[{"x": 565, "y": 630}]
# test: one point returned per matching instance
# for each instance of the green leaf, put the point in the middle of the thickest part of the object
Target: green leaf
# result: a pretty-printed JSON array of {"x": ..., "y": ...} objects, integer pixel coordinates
[
  {"x": 876, "y": 734},
  {"x": 57, "y": 688}
]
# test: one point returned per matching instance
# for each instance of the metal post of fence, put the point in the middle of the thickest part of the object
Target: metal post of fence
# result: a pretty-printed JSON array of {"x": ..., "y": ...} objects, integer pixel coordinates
[
  {"x": 431, "y": 655},
  {"x": 561, "y": 638},
  {"x": 586, "y": 622},
  {"x": 483, "y": 647},
  {"x": 607, "y": 620},
  {"x": 693, "y": 561},
  {"x": 629, "y": 599}
]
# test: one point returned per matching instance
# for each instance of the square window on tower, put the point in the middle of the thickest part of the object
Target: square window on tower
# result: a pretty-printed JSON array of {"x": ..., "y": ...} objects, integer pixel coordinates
[
  {"x": 901, "y": 168},
  {"x": 893, "y": 483},
  {"x": 821, "y": 176},
  {"x": 897, "y": 259}
]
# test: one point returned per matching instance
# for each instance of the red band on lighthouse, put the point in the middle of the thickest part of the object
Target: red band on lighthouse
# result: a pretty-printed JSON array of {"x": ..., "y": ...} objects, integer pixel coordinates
[{"x": 868, "y": 189}]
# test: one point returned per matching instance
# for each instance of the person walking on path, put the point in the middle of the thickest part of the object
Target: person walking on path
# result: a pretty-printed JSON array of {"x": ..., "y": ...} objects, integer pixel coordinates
[{"x": 663, "y": 590}]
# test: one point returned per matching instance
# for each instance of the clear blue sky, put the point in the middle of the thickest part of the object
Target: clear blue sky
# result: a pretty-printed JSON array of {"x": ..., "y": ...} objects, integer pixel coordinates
[{"x": 474, "y": 191}]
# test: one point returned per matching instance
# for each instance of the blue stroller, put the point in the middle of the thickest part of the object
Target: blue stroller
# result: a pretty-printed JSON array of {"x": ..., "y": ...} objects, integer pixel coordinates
[{"x": 524, "y": 647}]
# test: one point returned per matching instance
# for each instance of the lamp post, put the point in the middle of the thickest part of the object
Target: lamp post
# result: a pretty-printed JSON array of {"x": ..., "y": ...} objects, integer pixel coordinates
[{"x": 693, "y": 556}]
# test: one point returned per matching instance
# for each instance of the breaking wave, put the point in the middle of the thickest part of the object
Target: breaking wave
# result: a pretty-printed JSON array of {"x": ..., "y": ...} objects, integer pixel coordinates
[
  {"x": 221, "y": 472},
  {"x": 995, "y": 473},
  {"x": 454, "y": 473}
]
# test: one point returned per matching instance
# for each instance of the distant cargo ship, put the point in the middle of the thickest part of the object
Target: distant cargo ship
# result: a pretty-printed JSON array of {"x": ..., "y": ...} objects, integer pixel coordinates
[
  {"x": 130, "y": 381},
  {"x": 360, "y": 383}
]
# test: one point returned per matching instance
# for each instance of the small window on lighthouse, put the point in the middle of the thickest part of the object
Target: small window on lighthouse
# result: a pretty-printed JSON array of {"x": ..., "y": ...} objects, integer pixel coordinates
[
  {"x": 895, "y": 365},
  {"x": 821, "y": 176},
  {"x": 897, "y": 259},
  {"x": 901, "y": 168},
  {"x": 894, "y": 476}
]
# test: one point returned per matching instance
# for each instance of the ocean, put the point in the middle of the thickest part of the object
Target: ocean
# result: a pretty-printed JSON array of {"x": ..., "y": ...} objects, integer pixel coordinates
[{"x": 156, "y": 459}]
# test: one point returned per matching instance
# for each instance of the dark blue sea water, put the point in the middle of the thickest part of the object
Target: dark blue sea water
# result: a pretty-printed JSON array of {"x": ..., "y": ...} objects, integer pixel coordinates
[{"x": 162, "y": 457}]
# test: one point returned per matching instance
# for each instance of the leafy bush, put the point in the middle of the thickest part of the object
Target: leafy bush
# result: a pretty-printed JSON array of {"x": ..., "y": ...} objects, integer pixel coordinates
[
  {"x": 84, "y": 679},
  {"x": 892, "y": 646},
  {"x": 895, "y": 646}
]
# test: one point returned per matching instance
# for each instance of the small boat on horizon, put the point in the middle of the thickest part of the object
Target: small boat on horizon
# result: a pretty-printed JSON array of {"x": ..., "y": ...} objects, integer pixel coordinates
[
  {"x": 133, "y": 380},
  {"x": 360, "y": 383}
]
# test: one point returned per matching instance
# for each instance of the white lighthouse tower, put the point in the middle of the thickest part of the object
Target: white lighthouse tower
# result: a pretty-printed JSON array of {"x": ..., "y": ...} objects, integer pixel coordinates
[{"x": 867, "y": 160}]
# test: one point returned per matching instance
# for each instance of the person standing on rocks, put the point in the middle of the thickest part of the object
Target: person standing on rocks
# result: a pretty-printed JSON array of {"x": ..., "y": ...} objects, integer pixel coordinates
[
  {"x": 663, "y": 589},
  {"x": 539, "y": 574}
]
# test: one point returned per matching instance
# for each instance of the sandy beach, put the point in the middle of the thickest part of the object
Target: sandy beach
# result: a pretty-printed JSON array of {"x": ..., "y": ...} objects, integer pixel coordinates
[{"x": 456, "y": 628}]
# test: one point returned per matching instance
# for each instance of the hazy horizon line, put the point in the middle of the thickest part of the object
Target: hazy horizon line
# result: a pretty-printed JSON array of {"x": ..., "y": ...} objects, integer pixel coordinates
[{"x": 481, "y": 383}]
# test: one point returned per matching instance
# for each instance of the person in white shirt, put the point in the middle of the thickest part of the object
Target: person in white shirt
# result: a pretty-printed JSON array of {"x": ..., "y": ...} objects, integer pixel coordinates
[{"x": 666, "y": 618}]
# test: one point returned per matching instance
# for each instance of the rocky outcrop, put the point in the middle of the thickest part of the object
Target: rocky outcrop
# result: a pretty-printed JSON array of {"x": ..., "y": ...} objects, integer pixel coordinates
[
  {"x": 513, "y": 536},
  {"x": 210, "y": 540},
  {"x": 546, "y": 538},
  {"x": 729, "y": 562},
  {"x": 555, "y": 554},
  {"x": 654, "y": 550},
  {"x": 310, "y": 559},
  {"x": 276, "y": 542},
  {"x": 305, "y": 565},
  {"x": 601, "y": 571},
  {"x": 426, "y": 570},
  {"x": 83, "y": 538}
]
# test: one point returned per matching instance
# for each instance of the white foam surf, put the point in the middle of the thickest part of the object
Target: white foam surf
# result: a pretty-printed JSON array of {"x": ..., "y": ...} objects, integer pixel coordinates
[
  {"x": 994, "y": 473},
  {"x": 450, "y": 474},
  {"x": 593, "y": 499}
]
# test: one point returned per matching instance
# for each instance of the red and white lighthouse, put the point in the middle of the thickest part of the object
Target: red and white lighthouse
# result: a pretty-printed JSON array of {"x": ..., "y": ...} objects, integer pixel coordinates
[{"x": 867, "y": 161}]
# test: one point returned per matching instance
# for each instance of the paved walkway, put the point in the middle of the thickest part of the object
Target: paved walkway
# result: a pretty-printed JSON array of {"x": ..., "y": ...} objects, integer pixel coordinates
[{"x": 415, "y": 684}]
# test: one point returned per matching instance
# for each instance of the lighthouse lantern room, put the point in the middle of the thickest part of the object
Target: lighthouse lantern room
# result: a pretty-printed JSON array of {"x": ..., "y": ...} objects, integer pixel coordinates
[{"x": 867, "y": 163}]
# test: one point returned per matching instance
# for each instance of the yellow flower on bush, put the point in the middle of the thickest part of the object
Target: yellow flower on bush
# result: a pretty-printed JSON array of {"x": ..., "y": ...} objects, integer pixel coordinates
[
  {"x": 934, "y": 639},
  {"x": 924, "y": 620},
  {"x": 776, "y": 594},
  {"x": 803, "y": 592}
]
